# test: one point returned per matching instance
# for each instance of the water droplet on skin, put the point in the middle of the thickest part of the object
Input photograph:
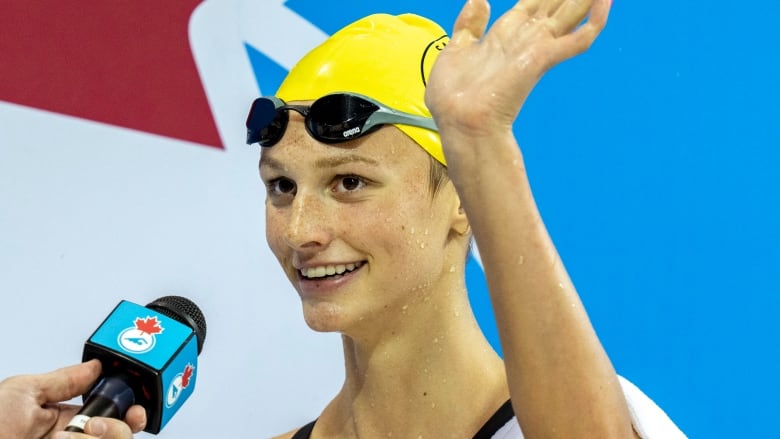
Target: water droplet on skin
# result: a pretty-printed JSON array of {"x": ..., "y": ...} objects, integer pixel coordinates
[
  {"x": 426, "y": 232},
  {"x": 433, "y": 406},
  {"x": 520, "y": 260},
  {"x": 457, "y": 313},
  {"x": 436, "y": 339},
  {"x": 411, "y": 230},
  {"x": 422, "y": 245},
  {"x": 452, "y": 268}
]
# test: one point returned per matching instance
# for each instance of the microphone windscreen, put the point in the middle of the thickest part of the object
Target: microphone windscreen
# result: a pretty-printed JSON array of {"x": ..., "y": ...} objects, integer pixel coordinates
[{"x": 184, "y": 311}]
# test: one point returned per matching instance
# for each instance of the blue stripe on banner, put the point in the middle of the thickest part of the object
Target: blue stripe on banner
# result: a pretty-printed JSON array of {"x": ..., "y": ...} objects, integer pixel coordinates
[{"x": 269, "y": 74}]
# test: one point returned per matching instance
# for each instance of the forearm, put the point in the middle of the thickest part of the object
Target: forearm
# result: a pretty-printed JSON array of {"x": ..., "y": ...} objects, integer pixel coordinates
[{"x": 561, "y": 381}]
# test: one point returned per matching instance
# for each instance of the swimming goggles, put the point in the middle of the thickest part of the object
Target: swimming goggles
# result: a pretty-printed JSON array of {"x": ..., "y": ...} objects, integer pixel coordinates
[{"x": 333, "y": 118}]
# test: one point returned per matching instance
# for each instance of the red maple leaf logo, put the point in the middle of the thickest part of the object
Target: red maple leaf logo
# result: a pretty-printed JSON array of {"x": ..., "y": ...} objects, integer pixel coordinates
[
  {"x": 149, "y": 325},
  {"x": 187, "y": 375}
]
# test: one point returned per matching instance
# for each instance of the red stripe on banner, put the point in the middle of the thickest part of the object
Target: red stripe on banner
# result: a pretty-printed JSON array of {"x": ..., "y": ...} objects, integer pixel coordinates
[{"x": 122, "y": 63}]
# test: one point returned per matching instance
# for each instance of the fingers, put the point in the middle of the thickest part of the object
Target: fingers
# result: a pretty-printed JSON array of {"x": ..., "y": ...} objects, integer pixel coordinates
[
  {"x": 103, "y": 428},
  {"x": 64, "y": 414},
  {"x": 599, "y": 13},
  {"x": 580, "y": 40},
  {"x": 136, "y": 418},
  {"x": 530, "y": 6},
  {"x": 106, "y": 428},
  {"x": 570, "y": 14},
  {"x": 68, "y": 382},
  {"x": 471, "y": 22},
  {"x": 560, "y": 17}
]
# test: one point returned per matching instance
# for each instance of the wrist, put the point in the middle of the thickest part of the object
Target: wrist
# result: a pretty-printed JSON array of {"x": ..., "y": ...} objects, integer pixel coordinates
[{"x": 471, "y": 151}]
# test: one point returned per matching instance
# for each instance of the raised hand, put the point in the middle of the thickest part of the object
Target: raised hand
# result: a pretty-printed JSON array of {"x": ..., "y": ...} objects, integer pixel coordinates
[
  {"x": 481, "y": 80},
  {"x": 555, "y": 363}
]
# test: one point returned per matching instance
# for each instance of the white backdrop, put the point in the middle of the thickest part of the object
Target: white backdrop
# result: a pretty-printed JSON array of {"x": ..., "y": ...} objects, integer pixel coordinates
[{"x": 91, "y": 214}]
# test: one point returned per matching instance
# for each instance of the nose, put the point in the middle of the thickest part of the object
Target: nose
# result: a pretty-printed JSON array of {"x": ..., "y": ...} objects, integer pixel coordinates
[{"x": 309, "y": 226}]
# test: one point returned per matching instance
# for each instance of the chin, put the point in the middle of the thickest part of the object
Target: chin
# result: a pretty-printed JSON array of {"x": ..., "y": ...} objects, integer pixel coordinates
[{"x": 323, "y": 316}]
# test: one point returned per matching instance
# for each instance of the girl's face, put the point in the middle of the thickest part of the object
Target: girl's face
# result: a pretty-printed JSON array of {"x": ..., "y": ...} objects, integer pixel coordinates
[{"x": 355, "y": 228}]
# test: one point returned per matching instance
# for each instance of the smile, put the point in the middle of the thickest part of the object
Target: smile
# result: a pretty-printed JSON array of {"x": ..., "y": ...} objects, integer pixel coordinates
[{"x": 328, "y": 270}]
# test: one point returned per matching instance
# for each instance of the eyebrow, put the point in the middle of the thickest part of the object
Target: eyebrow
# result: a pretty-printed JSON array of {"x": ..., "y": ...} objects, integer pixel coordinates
[{"x": 328, "y": 162}]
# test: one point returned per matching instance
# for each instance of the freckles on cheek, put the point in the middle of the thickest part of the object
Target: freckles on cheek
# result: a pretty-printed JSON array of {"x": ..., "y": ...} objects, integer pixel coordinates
[{"x": 274, "y": 238}]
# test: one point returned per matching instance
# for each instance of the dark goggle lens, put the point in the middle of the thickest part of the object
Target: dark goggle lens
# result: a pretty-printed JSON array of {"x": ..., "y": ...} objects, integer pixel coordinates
[
  {"x": 330, "y": 119},
  {"x": 265, "y": 124},
  {"x": 339, "y": 117}
]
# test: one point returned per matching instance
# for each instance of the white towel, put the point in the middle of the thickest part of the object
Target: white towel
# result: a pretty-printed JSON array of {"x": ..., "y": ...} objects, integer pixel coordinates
[{"x": 650, "y": 422}]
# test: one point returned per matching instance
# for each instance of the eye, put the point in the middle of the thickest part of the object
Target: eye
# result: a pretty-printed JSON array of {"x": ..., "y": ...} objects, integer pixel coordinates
[
  {"x": 348, "y": 183},
  {"x": 280, "y": 186}
]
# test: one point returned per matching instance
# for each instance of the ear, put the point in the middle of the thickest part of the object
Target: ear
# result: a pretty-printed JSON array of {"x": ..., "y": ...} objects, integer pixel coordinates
[
  {"x": 461, "y": 225},
  {"x": 460, "y": 222}
]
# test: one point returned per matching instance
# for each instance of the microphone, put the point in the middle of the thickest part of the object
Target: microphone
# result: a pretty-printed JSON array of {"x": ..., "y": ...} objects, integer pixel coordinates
[{"x": 149, "y": 356}]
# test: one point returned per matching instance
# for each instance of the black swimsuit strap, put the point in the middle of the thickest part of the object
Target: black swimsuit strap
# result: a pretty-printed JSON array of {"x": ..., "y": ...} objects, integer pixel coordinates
[
  {"x": 503, "y": 415},
  {"x": 305, "y": 431}
]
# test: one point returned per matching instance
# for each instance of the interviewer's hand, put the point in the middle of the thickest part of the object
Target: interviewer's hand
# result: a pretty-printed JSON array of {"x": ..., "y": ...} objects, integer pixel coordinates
[
  {"x": 30, "y": 404},
  {"x": 102, "y": 428}
]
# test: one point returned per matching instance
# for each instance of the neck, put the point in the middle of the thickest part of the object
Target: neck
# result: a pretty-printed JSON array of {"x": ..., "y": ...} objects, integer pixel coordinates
[{"x": 414, "y": 380}]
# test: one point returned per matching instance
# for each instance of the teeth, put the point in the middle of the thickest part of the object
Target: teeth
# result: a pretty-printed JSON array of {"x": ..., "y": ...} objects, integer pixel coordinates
[{"x": 327, "y": 270}]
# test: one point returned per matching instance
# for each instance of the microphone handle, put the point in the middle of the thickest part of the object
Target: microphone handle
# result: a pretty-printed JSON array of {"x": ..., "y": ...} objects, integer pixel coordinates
[{"x": 110, "y": 399}]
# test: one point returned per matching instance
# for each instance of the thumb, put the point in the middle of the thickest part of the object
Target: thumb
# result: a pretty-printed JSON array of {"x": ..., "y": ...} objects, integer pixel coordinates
[
  {"x": 106, "y": 428},
  {"x": 68, "y": 382},
  {"x": 96, "y": 427}
]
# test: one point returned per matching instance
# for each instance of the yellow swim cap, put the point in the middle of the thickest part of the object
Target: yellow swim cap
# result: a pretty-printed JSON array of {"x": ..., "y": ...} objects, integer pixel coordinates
[{"x": 385, "y": 57}]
